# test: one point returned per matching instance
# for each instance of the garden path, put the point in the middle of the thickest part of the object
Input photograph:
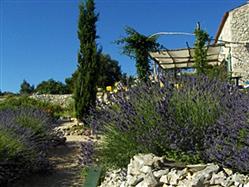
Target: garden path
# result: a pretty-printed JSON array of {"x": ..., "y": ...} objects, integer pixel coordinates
[{"x": 66, "y": 171}]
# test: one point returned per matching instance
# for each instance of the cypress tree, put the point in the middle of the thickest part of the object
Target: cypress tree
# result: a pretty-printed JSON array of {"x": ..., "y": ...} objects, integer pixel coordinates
[
  {"x": 200, "y": 52},
  {"x": 85, "y": 87}
]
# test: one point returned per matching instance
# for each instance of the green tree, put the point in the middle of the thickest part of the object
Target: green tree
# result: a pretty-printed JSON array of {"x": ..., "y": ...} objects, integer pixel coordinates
[
  {"x": 51, "y": 87},
  {"x": 200, "y": 57},
  {"x": 85, "y": 86},
  {"x": 200, "y": 51},
  {"x": 71, "y": 81},
  {"x": 26, "y": 88},
  {"x": 127, "y": 80},
  {"x": 109, "y": 73},
  {"x": 137, "y": 46}
]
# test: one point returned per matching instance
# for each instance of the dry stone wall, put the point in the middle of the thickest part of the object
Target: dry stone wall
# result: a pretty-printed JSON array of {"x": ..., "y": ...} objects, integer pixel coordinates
[
  {"x": 151, "y": 171},
  {"x": 240, "y": 32},
  {"x": 62, "y": 100}
]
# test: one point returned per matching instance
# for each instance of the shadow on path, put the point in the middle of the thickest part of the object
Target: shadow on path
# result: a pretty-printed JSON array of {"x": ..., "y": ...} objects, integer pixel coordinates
[{"x": 66, "y": 169}]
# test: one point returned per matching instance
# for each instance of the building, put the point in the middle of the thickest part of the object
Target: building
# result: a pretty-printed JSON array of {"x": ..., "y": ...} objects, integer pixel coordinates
[{"x": 234, "y": 33}]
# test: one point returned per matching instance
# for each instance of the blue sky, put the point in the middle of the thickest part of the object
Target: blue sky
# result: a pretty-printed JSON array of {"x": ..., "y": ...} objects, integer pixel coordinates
[{"x": 38, "y": 38}]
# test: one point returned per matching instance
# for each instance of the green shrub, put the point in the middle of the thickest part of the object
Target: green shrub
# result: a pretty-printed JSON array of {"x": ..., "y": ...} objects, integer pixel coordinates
[
  {"x": 31, "y": 123},
  {"x": 25, "y": 101},
  {"x": 132, "y": 125},
  {"x": 9, "y": 145},
  {"x": 189, "y": 106},
  {"x": 170, "y": 120},
  {"x": 25, "y": 137}
]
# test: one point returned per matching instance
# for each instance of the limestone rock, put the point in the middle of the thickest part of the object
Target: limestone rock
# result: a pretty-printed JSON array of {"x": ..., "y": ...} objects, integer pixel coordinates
[
  {"x": 160, "y": 173},
  {"x": 201, "y": 176},
  {"x": 149, "y": 181},
  {"x": 218, "y": 178},
  {"x": 142, "y": 172}
]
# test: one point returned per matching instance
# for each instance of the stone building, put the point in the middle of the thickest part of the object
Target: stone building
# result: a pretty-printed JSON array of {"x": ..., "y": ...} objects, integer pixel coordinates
[{"x": 234, "y": 33}]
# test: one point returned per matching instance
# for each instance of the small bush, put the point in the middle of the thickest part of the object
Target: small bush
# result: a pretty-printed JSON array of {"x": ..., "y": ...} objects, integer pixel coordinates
[
  {"x": 9, "y": 145},
  {"x": 25, "y": 134},
  {"x": 227, "y": 141},
  {"x": 132, "y": 125},
  {"x": 194, "y": 106}
]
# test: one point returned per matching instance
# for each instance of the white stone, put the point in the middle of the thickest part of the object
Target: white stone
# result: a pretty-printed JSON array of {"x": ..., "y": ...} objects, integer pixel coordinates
[
  {"x": 145, "y": 169},
  {"x": 173, "y": 177},
  {"x": 164, "y": 179},
  {"x": 238, "y": 178},
  {"x": 134, "y": 180},
  {"x": 246, "y": 185},
  {"x": 200, "y": 177},
  {"x": 228, "y": 171},
  {"x": 218, "y": 178},
  {"x": 149, "y": 181},
  {"x": 160, "y": 173},
  {"x": 196, "y": 167}
]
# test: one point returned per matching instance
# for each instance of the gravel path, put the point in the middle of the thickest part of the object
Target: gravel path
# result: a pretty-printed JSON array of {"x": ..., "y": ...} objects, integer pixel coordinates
[{"x": 66, "y": 171}]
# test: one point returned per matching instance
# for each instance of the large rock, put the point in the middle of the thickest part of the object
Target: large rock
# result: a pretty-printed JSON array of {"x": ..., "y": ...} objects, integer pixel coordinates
[{"x": 201, "y": 177}]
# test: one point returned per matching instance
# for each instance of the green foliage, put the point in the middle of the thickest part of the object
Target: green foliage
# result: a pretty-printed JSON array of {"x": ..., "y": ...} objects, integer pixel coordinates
[
  {"x": 26, "y": 88},
  {"x": 86, "y": 82},
  {"x": 200, "y": 52},
  {"x": 31, "y": 123},
  {"x": 127, "y": 80},
  {"x": 25, "y": 136},
  {"x": 71, "y": 81},
  {"x": 138, "y": 46},
  {"x": 218, "y": 72},
  {"x": 124, "y": 144},
  {"x": 10, "y": 145},
  {"x": 69, "y": 110},
  {"x": 51, "y": 87},
  {"x": 25, "y": 101},
  {"x": 191, "y": 107},
  {"x": 109, "y": 73}
]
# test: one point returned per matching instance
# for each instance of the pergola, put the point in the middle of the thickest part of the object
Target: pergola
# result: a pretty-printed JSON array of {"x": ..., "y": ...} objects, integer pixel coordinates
[{"x": 184, "y": 58}]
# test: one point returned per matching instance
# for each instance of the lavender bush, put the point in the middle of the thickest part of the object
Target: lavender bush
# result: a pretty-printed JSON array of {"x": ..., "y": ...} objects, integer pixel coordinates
[
  {"x": 227, "y": 141},
  {"x": 191, "y": 119},
  {"x": 24, "y": 140},
  {"x": 132, "y": 124},
  {"x": 87, "y": 153}
]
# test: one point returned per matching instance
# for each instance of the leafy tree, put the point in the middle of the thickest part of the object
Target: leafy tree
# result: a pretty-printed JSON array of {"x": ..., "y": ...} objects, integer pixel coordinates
[
  {"x": 51, "y": 87},
  {"x": 138, "y": 46},
  {"x": 86, "y": 82},
  {"x": 200, "y": 52},
  {"x": 71, "y": 81},
  {"x": 127, "y": 80},
  {"x": 109, "y": 73},
  {"x": 26, "y": 88}
]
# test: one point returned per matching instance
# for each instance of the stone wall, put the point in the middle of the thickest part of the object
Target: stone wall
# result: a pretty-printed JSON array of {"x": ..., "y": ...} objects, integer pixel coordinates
[
  {"x": 240, "y": 32},
  {"x": 152, "y": 171},
  {"x": 62, "y": 100},
  {"x": 67, "y": 99},
  {"x": 236, "y": 29}
]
